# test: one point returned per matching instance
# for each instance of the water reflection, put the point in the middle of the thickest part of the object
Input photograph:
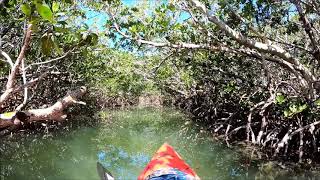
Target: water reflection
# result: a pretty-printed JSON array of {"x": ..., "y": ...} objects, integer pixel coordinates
[
  {"x": 123, "y": 143},
  {"x": 118, "y": 161}
]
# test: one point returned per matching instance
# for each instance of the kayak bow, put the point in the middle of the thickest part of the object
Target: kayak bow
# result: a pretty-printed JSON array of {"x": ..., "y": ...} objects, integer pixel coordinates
[{"x": 167, "y": 164}]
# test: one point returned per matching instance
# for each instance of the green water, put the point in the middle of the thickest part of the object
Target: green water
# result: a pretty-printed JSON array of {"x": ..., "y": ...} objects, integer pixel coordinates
[{"x": 124, "y": 141}]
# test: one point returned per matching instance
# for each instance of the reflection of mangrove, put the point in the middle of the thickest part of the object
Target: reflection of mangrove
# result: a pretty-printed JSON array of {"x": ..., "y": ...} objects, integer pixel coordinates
[
  {"x": 274, "y": 170},
  {"x": 117, "y": 160}
]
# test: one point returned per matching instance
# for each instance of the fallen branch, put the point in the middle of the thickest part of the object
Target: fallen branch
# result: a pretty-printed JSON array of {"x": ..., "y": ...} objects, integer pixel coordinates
[{"x": 54, "y": 112}]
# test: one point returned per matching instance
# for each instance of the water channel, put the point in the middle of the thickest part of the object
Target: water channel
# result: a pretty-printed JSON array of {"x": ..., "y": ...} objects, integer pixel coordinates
[{"x": 123, "y": 141}]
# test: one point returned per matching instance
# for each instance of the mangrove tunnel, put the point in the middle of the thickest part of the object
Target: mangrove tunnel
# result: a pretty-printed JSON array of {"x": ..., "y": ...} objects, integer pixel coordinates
[{"x": 232, "y": 85}]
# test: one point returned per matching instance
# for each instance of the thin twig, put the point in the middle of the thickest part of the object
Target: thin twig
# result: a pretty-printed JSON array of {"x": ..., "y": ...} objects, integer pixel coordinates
[
  {"x": 25, "y": 94},
  {"x": 9, "y": 60},
  {"x": 51, "y": 60},
  {"x": 301, "y": 141},
  {"x": 249, "y": 128},
  {"x": 309, "y": 30},
  {"x": 160, "y": 64},
  {"x": 28, "y": 84}
]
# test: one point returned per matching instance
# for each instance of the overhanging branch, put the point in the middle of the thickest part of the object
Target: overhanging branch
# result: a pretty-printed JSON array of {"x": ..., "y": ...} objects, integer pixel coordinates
[{"x": 270, "y": 48}]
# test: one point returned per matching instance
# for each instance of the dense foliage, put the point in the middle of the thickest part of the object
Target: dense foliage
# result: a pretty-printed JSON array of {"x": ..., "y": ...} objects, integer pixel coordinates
[
  {"x": 53, "y": 39},
  {"x": 246, "y": 69},
  {"x": 63, "y": 53}
]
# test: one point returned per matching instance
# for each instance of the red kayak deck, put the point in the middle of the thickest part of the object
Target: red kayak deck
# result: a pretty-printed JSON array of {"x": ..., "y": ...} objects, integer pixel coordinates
[{"x": 167, "y": 162}]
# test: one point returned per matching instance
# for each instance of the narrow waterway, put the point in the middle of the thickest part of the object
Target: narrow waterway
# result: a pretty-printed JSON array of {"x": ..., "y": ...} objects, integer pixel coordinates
[{"x": 123, "y": 141}]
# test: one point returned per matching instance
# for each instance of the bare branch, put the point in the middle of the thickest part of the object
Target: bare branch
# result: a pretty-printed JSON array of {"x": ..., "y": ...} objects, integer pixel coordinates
[
  {"x": 6, "y": 94},
  {"x": 168, "y": 44},
  {"x": 268, "y": 48},
  {"x": 196, "y": 21},
  {"x": 313, "y": 5},
  {"x": 255, "y": 31},
  {"x": 264, "y": 118},
  {"x": 248, "y": 127},
  {"x": 28, "y": 84},
  {"x": 221, "y": 48},
  {"x": 155, "y": 69},
  {"x": 309, "y": 30},
  {"x": 16, "y": 66},
  {"x": 15, "y": 69},
  {"x": 284, "y": 42},
  {"x": 51, "y": 60},
  {"x": 262, "y": 47},
  {"x": 289, "y": 135},
  {"x": 9, "y": 60},
  {"x": 25, "y": 94}
]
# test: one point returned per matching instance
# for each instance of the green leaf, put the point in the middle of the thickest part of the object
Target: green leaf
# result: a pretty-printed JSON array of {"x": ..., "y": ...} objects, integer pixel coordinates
[
  {"x": 287, "y": 113},
  {"x": 56, "y": 47},
  {"x": 317, "y": 102},
  {"x": 61, "y": 29},
  {"x": 293, "y": 108},
  {"x": 171, "y": 7},
  {"x": 25, "y": 8},
  {"x": 55, "y": 6},
  {"x": 230, "y": 87},
  {"x": 45, "y": 12},
  {"x": 302, "y": 108},
  {"x": 46, "y": 44},
  {"x": 34, "y": 20},
  {"x": 94, "y": 39},
  {"x": 135, "y": 9},
  {"x": 280, "y": 99},
  {"x": 133, "y": 29}
]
